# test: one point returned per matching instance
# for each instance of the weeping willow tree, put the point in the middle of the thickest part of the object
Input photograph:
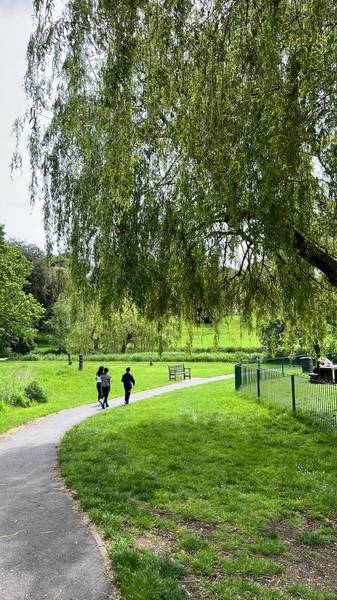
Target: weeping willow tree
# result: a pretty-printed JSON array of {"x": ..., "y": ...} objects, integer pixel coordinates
[{"x": 186, "y": 151}]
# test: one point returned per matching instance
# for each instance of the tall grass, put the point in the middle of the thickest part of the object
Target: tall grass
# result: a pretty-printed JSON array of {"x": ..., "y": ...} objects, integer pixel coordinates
[
  {"x": 172, "y": 357},
  {"x": 12, "y": 386}
]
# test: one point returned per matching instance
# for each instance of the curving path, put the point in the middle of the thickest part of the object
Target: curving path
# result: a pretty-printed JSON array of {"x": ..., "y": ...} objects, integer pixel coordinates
[{"x": 47, "y": 549}]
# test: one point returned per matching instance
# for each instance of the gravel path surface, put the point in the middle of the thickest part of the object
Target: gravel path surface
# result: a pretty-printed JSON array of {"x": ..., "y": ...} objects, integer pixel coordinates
[{"x": 47, "y": 549}]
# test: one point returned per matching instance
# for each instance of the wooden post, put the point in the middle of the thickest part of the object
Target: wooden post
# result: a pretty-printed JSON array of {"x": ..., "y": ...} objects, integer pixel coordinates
[
  {"x": 70, "y": 362},
  {"x": 80, "y": 362},
  {"x": 258, "y": 373}
]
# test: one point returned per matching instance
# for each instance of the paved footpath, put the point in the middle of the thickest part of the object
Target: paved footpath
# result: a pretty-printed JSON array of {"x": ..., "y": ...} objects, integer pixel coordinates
[{"x": 47, "y": 549}]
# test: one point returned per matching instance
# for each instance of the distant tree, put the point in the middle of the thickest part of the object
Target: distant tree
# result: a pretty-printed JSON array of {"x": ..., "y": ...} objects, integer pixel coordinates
[
  {"x": 19, "y": 311},
  {"x": 60, "y": 322},
  {"x": 122, "y": 330},
  {"x": 272, "y": 337},
  {"x": 48, "y": 275}
]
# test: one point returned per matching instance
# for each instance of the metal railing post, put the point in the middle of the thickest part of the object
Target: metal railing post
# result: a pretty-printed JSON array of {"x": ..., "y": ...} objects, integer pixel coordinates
[
  {"x": 238, "y": 376},
  {"x": 293, "y": 393}
]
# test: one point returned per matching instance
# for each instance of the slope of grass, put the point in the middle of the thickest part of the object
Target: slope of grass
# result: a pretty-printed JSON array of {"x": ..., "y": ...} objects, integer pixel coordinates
[
  {"x": 205, "y": 494},
  {"x": 66, "y": 386},
  {"x": 232, "y": 335}
]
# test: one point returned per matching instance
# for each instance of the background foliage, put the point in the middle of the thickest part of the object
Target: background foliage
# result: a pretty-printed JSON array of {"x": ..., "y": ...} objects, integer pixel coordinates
[{"x": 19, "y": 312}]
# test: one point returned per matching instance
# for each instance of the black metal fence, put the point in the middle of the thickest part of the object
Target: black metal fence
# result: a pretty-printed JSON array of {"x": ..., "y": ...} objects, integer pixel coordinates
[{"x": 287, "y": 386}]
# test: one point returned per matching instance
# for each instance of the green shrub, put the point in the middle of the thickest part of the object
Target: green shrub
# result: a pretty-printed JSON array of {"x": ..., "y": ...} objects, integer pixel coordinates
[
  {"x": 16, "y": 390},
  {"x": 18, "y": 399},
  {"x": 35, "y": 392}
]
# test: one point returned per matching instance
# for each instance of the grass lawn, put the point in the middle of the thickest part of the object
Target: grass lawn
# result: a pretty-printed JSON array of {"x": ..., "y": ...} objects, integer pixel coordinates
[
  {"x": 318, "y": 402},
  {"x": 66, "y": 386},
  {"x": 205, "y": 494},
  {"x": 232, "y": 334}
]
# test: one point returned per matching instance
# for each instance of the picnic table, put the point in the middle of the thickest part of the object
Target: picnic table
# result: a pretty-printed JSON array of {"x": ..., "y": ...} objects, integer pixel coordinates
[
  {"x": 329, "y": 373},
  {"x": 324, "y": 374}
]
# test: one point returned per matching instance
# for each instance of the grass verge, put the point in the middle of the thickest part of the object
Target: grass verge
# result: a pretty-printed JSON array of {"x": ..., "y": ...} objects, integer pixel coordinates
[
  {"x": 204, "y": 494},
  {"x": 67, "y": 387}
]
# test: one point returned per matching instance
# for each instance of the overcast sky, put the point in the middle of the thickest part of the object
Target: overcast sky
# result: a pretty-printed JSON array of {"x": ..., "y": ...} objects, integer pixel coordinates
[{"x": 21, "y": 221}]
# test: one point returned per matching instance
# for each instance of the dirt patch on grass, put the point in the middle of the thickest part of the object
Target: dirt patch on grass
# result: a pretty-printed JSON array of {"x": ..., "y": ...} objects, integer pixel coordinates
[
  {"x": 158, "y": 512},
  {"x": 157, "y": 541},
  {"x": 311, "y": 566},
  {"x": 199, "y": 527},
  {"x": 193, "y": 588}
]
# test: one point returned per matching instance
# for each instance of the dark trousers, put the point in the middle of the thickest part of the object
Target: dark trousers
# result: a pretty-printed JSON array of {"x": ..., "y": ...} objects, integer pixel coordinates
[
  {"x": 127, "y": 395},
  {"x": 105, "y": 394},
  {"x": 99, "y": 391}
]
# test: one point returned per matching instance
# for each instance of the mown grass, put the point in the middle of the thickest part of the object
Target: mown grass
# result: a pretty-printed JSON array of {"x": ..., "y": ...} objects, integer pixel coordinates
[
  {"x": 194, "y": 490},
  {"x": 315, "y": 401},
  {"x": 67, "y": 387},
  {"x": 233, "y": 334}
]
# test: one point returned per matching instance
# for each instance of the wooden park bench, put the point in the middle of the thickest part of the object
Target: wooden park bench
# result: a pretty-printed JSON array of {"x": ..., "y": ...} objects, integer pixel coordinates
[{"x": 175, "y": 370}]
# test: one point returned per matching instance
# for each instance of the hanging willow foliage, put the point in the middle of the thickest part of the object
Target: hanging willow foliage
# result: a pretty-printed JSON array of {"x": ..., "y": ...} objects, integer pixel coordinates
[{"x": 187, "y": 151}]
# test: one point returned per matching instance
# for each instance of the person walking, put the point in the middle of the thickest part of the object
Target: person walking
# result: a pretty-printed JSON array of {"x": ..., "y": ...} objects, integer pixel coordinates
[
  {"x": 99, "y": 384},
  {"x": 128, "y": 381},
  {"x": 106, "y": 382}
]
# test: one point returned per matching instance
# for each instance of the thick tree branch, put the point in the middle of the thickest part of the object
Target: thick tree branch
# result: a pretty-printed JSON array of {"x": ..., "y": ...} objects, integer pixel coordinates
[{"x": 316, "y": 256}]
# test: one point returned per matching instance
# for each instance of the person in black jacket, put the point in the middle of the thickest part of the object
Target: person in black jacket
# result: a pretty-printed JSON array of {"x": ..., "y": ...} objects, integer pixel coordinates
[{"x": 128, "y": 381}]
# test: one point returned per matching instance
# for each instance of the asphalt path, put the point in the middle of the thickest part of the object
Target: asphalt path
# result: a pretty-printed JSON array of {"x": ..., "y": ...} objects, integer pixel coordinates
[{"x": 48, "y": 550}]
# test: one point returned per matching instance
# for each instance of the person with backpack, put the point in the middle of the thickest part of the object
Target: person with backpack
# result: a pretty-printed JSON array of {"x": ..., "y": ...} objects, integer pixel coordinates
[
  {"x": 106, "y": 383},
  {"x": 128, "y": 382}
]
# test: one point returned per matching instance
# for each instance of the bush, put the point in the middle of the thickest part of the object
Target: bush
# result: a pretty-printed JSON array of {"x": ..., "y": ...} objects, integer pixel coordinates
[
  {"x": 16, "y": 390},
  {"x": 22, "y": 346},
  {"x": 19, "y": 399},
  {"x": 35, "y": 393}
]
